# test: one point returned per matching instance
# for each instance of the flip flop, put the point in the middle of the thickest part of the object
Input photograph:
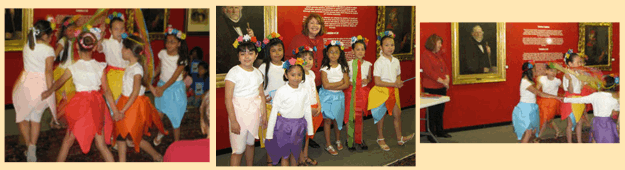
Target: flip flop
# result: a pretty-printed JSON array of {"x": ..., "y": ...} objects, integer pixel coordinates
[
  {"x": 401, "y": 141},
  {"x": 339, "y": 146}
]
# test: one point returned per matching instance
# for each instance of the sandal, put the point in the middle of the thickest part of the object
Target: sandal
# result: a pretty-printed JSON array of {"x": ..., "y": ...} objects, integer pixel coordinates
[
  {"x": 338, "y": 145},
  {"x": 310, "y": 162},
  {"x": 331, "y": 150},
  {"x": 269, "y": 163},
  {"x": 401, "y": 141},
  {"x": 383, "y": 146},
  {"x": 157, "y": 141}
]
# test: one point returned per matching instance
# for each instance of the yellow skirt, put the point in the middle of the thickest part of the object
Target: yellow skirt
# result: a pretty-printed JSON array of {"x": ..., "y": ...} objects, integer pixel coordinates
[
  {"x": 378, "y": 96},
  {"x": 65, "y": 93},
  {"x": 262, "y": 132},
  {"x": 114, "y": 78}
]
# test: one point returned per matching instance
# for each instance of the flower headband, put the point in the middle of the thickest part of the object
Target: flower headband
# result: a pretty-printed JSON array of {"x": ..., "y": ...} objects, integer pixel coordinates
[
  {"x": 335, "y": 43},
  {"x": 172, "y": 31},
  {"x": 94, "y": 30},
  {"x": 125, "y": 36},
  {"x": 271, "y": 36},
  {"x": 71, "y": 20},
  {"x": 530, "y": 65},
  {"x": 292, "y": 62},
  {"x": 567, "y": 55},
  {"x": 384, "y": 34},
  {"x": 247, "y": 38},
  {"x": 359, "y": 38},
  {"x": 114, "y": 15},
  {"x": 52, "y": 21},
  {"x": 304, "y": 48}
]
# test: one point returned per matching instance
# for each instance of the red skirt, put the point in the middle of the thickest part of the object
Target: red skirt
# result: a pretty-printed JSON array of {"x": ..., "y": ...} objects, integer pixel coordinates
[
  {"x": 548, "y": 109},
  {"x": 587, "y": 90},
  {"x": 360, "y": 104},
  {"x": 316, "y": 121},
  {"x": 88, "y": 115},
  {"x": 137, "y": 120}
]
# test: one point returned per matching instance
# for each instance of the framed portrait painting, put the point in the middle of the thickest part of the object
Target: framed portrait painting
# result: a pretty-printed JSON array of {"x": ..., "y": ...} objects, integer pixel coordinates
[
  {"x": 595, "y": 42},
  {"x": 478, "y": 52},
  {"x": 401, "y": 21},
  {"x": 16, "y": 24},
  {"x": 197, "y": 21},
  {"x": 156, "y": 22}
]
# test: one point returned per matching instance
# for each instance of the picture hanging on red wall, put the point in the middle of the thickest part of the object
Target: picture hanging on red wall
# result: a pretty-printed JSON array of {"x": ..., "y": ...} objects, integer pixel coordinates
[
  {"x": 401, "y": 21},
  {"x": 156, "y": 22},
  {"x": 595, "y": 43},
  {"x": 16, "y": 22},
  {"x": 478, "y": 52},
  {"x": 197, "y": 21}
]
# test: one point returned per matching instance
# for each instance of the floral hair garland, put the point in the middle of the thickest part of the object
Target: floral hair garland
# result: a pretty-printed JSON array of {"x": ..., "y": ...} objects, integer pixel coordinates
[
  {"x": 71, "y": 20},
  {"x": 292, "y": 62},
  {"x": 567, "y": 55},
  {"x": 94, "y": 30},
  {"x": 334, "y": 43},
  {"x": 247, "y": 38},
  {"x": 270, "y": 37},
  {"x": 125, "y": 36},
  {"x": 52, "y": 21},
  {"x": 530, "y": 65},
  {"x": 359, "y": 38},
  {"x": 384, "y": 34},
  {"x": 114, "y": 15},
  {"x": 172, "y": 31},
  {"x": 304, "y": 48}
]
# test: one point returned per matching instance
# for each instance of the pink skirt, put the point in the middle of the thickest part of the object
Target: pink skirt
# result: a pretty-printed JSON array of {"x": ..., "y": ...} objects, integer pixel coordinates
[
  {"x": 247, "y": 112},
  {"x": 27, "y": 97}
]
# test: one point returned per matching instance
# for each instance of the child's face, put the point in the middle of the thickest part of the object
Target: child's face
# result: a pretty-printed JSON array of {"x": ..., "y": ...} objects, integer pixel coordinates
[
  {"x": 294, "y": 76},
  {"x": 551, "y": 72},
  {"x": 172, "y": 44},
  {"x": 359, "y": 50},
  {"x": 276, "y": 52},
  {"x": 577, "y": 62},
  {"x": 388, "y": 46},
  {"x": 201, "y": 71},
  {"x": 117, "y": 29},
  {"x": 334, "y": 53},
  {"x": 126, "y": 54},
  {"x": 69, "y": 32},
  {"x": 247, "y": 57},
  {"x": 308, "y": 59},
  {"x": 193, "y": 55},
  {"x": 314, "y": 26}
]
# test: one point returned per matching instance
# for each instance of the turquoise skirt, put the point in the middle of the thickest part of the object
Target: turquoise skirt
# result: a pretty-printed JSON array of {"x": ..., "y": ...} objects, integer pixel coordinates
[
  {"x": 525, "y": 117},
  {"x": 332, "y": 105},
  {"x": 173, "y": 103}
]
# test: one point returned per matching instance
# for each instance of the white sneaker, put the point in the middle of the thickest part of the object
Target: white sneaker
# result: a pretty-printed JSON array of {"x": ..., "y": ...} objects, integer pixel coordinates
[{"x": 31, "y": 155}]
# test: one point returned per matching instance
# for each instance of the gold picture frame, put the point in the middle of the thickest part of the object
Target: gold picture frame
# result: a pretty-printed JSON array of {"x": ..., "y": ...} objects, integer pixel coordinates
[
  {"x": 461, "y": 32},
  {"x": 27, "y": 22},
  {"x": 381, "y": 26},
  {"x": 595, "y": 42},
  {"x": 270, "y": 25},
  {"x": 154, "y": 35}
]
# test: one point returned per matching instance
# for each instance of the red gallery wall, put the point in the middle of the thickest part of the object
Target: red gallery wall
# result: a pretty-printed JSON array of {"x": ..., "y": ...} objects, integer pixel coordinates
[
  {"x": 14, "y": 61},
  {"x": 488, "y": 103},
  {"x": 407, "y": 93}
]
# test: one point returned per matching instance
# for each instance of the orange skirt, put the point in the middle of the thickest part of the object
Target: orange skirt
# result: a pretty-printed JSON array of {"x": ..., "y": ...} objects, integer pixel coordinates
[
  {"x": 316, "y": 121},
  {"x": 548, "y": 109},
  {"x": 138, "y": 120}
]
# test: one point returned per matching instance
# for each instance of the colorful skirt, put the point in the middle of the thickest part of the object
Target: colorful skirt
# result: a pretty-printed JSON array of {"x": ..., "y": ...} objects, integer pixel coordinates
[
  {"x": 381, "y": 101},
  {"x": 114, "y": 76},
  {"x": 316, "y": 121},
  {"x": 173, "y": 102},
  {"x": 287, "y": 139},
  {"x": 548, "y": 109},
  {"x": 587, "y": 90},
  {"x": 604, "y": 130},
  {"x": 354, "y": 128},
  {"x": 567, "y": 109},
  {"x": 63, "y": 94},
  {"x": 247, "y": 112},
  {"x": 525, "y": 117},
  {"x": 332, "y": 105},
  {"x": 27, "y": 97},
  {"x": 137, "y": 120},
  {"x": 87, "y": 115}
]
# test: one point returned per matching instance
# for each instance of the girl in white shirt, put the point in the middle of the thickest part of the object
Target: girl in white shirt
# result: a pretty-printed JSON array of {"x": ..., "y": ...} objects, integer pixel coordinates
[
  {"x": 334, "y": 79},
  {"x": 170, "y": 96},
  {"x": 112, "y": 49},
  {"x": 306, "y": 54},
  {"x": 572, "y": 88},
  {"x": 65, "y": 58},
  {"x": 548, "y": 107},
  {"x": 605, "y": 105},
  {"x": 525, "y": 119},
  {"x": 285, "y": 132},
  {"x": 357, "y": 93},
  {"x": 272, "y": 72},
  {"x": 36, "y": 78},
  {"x": 139, "y": 113},
  {"x": 245, "y": 101},
  {"x": 384, "y": 96},
  {"x": 87, "y": 114}
]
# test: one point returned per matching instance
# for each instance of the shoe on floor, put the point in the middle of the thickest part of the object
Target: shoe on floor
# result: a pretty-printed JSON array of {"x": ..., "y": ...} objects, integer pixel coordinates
[{"x": 313, "y": 144}]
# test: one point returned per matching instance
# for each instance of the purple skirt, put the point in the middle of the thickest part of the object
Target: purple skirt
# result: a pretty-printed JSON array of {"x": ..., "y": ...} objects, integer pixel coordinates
[
  {"x": 604, "y": 130},
  {"x": 288, "y": 136}
]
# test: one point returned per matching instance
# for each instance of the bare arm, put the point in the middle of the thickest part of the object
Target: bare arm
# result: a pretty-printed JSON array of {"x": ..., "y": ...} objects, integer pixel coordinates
[
  {"x": 57, "y": 84},
  {"x": 109, "y": 96},
  {"x": 59, "y": 48},
  {"x": 49, "y": 71},
  {"x": 173, "y": 77},
  {"x": 136, "y": 88},
  {"x": 326, "y": 83},
  {"x": 540, "y": 93},
  {"x": 229, "y": 88},
  {"x": 345, "y": 81},
  {"x": 263, "y": 110}
]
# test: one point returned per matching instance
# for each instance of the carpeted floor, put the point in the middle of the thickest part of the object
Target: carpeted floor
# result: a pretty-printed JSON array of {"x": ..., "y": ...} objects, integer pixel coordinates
[{"x": 49, "y": 143}]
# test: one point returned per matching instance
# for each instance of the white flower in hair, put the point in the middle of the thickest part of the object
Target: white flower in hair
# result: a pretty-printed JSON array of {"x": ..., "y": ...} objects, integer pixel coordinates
[
  {"x": 247, "y": 37},
  {"x": 97, "y": 32},
  {"x": 354, "y": 39},
  {"x": 179, "y": 35}
]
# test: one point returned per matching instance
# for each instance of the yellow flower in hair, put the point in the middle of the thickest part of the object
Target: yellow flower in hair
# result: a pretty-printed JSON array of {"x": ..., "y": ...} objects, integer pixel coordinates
[
  {"x": 299, "y": 61},
  {"x": 183, "y": 36},
  {"x": 236, "y": 44},
  {"x": 359, "y": 37}
]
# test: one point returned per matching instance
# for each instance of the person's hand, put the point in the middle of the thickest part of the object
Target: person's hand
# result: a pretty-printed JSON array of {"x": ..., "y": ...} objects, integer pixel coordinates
[
  {"x": 158, "y": 91},
  {"x": 493, "y": 69},
  {"x": 46, "y": 94},
  {"x": 567, "y": 76},
  {"x": 235, "y": 128},
  {"x": 487, "y": 48},
  {"x": 268, "y": 98},
  {"x": 249, "y": 30},
  {"x": 318, "y": 111},
  {"x": 365, "y": 81},
  {"x": 118, "y": 115},
  {"x": 263, "y": 121},
  {"x": 399, "y": 83}
]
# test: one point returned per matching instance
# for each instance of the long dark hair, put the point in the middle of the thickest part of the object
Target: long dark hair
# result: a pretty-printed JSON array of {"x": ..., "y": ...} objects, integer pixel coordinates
[
  {"x": 610, "y": 83},
  {"x": 267, "y": 56},
  {"x": 183, "y": 50},
  {"x": 138, "y": 51},
  {"x": 63, "y": 56},
  {"x": 198, "y": 53},
  {"x": 527, "y": 71},
  {"x": 325, "y": 62},
  {"x": 43, "y": 27}
]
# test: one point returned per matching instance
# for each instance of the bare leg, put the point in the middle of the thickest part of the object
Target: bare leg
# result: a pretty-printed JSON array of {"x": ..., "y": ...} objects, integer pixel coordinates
[
  {"x": 327, "y": 123},
  {"x": 269, "y": 161},
  {"x": 555, "y": 127},
  {"x": 569, "y": 132},
  {"x": 337, "y": 133},
  {"x": 578, "y": 130},
  {"x": 121, "y": 150},
  {"x": 176, "y": 134},
  {"x": 249, "y": 155},
  {"x": 35, "y": 128},
  {"x": 147, "y": 147},
  {"x": 24, "y": 127},
  {"x": 380, "y": 131},
  {"x": 68, "y": 141},
  {"x": 284, "y": 162},
  {"x": 304, "y": 154},
  {"x": 235, "y": 159},
  {"x": 104, "y": 151},
  {"x": 397, "y": 122},
  {"x": 542, "y": 129},
  {"x": 292, "y": 159},
  {"x": 526, "y": 136}
]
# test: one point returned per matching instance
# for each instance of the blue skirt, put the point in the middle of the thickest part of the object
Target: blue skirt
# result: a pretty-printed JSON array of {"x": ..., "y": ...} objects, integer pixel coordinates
[
  {"x": 332, "y": 105},
  {"x": 525, "y": 117},
  {"x": 173, "y": 103}
]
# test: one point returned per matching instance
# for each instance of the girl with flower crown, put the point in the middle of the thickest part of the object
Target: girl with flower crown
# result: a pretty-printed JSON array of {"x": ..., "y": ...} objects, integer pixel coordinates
[
  {"x": 384, "y": 96},
  {"x": 87, "y": 114},
  {"x": 307, "y": 54},
  {"x": 290, "y": 116},
  {"x": 36, "y": 78},
  {"x": 245, "y": 101},
  {"x": 65, "y": 58},
  {"x": 112, "y": 49},
  {"x": 573, "y": 88},
  {"x": 170, "y": 97},
  {"x": 357, "y": 93},
  {"x": 334, "y": 78}
]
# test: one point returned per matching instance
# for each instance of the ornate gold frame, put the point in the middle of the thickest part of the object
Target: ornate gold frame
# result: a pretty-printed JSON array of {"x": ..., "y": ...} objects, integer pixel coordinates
[
  {"x": 479, "y": 78},
  {"x": 270, "y": 26},
  {"x": 153, "y": 35},
  {"x": 381, "y": 24},
  {"x": 27, "y": 22},
  {"x": 581, "y": 44}
]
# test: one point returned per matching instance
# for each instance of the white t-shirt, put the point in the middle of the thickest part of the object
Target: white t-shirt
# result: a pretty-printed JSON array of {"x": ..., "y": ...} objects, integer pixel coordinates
[
  {"x": 333, "y": 74},
  {"x": 246, "y": 82},
  {"x": 274, "y": 77},
  {"x": 602, "y": 102},
  {"x": 526, "y": 95},
  {"x": 70, "y": 58},
  {"x": 290, "y": 103},
  {"x": 310, "y": 85},
  {"x": 168, "y": 65},
  {"x": 386, "y": 69},
  {"x": 364, "y": 69},
  {"x": 577, "y": 84},
  {"x": 550, "y": 86},
  {"x": 35, "y": 60},
  {"x": 129, "y": 79},
  {"x": 112, "y": 50},
  {"x": 87, "y": 75}
]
